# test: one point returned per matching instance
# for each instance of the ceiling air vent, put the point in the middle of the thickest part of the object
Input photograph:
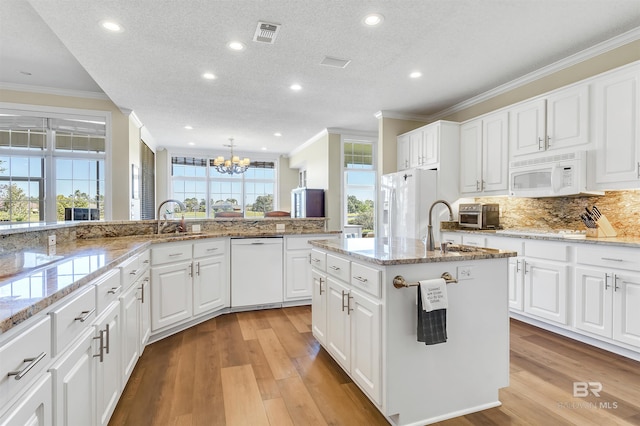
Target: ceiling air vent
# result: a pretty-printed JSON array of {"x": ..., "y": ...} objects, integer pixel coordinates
[
  {"x": 335, "y": 62},
  {"x": 266, "y": 32}
]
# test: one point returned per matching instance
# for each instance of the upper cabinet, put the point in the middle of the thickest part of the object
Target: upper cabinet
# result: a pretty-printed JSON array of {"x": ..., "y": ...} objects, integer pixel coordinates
[
  {"x": 484, "y": 157},
  {"x": 428, "y": 146},
  {"x": 617, "y": 129},
  {"x": 558, "y": 120}
]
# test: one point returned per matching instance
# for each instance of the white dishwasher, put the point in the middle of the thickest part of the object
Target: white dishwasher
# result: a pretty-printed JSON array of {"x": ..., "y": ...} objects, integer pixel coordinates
[{"x": 256, "y": 271}]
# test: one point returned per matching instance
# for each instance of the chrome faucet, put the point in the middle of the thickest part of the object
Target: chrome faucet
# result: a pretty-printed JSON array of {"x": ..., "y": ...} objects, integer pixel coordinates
[
  {"x": 162, "y": 225},
  {"x": 430, "y": 243}
]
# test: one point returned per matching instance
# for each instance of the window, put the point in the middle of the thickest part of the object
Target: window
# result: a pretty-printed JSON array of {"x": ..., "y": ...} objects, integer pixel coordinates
[
  {"x": 359, "y": 184},
  {"x": 206, "y": 192},
  {"x": 50, "y": 165}
]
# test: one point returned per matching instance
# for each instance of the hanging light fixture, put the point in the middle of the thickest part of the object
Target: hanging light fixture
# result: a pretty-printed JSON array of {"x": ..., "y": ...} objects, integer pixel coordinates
[{"x": 232, "y": 166}]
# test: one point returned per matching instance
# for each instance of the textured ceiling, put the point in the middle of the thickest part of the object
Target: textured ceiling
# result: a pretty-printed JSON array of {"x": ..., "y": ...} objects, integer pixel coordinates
[{"x": 154, "y": 67}]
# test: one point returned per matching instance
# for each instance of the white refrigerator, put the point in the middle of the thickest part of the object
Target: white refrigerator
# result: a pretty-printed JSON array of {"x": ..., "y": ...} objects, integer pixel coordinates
[{"x": 406, "y": 198}]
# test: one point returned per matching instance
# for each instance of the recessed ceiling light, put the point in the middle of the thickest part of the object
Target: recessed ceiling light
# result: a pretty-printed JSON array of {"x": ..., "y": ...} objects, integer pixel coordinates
[
  {"x": 191, "y": 143},
  {"x": 264, "y": 148},
  {"x": 208, "y": 76},
  {"x": 188, "y": 127},
  {"x": 415, "y": 74},
  {"x": 112, "y": 26},
  {"x": 295, "y": 87},
  {"x": 236, "y": 45},
  {"x": 278, "y": 134},
  {"x": 373, "y": 19}
]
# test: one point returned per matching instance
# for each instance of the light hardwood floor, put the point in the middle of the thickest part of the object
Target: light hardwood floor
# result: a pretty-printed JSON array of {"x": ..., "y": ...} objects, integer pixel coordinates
[{"x": 265, "y": 368}]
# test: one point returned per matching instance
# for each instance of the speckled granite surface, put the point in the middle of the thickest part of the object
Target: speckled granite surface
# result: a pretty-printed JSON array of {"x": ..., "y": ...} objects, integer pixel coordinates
[
  {"x": 36, "y": 277},
  {"x": 404, "y": 251}
]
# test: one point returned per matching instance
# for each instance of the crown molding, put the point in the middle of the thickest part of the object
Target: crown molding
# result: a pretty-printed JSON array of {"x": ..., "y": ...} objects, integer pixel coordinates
[
  {"x": 132, "y": 115},
  {"x": 54, "y": 91},
  {"x": 309, "y": 141},
  {"x": 569, "y": 61},
  {"x": 352, "y": 132},
  {"x": 400, "y": 116}
]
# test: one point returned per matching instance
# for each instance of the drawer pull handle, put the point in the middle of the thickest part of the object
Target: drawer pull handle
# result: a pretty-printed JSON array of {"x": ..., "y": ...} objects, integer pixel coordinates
[
  {"x": 135, "y": 271},
  {"x": 175, "y": 254},
  {"x": 335, "y": 268},
  {"x": 114, "y": 290},
  {"x": 315, "y": 260},
  {"x": 612, "y": 259},
  {"x": 101, "y": 338},
  {"x": 145, "y": 261},
  {"x": 212, "y": 249},
  {"x": 257, "y": 243},
  {"x": 84, "y": 315},
  {"x": 32, "y": 363},
  {"x": 361, "y": 279}
]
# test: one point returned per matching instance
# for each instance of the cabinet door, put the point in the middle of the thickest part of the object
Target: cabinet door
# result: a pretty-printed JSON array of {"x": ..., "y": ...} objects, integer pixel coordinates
[
  {"x": 338, "y": 325},
  {"x": 109, "y": 368},
  {"x": 431, "y": 145},
  {"x": 568, "y": 117},
  {"x": 34, "y": 408},
  {"x": 366, "y": 345},
  {"x": 144, "y": 296},
  {"x": 471, "y": 156},
  {"x": 74, "y": 384},
  {"x": 416, "y": 149},
  {"x": 130, "y": 307},
  {"x": 210, "y": 284},
  {"x": 617, "y": 129},
  {"x": 495, "y": 155},
  {"x": 298, "y": 275},
  {"x": 403, "y": 151},
  {"x": 171, "y": 294},
  {"x": 626, "y": 298},
  {"x": 593, "y": 301},
  {"x": 319, "y": 307},
  {"x": 516, "y": 301},
  {"x": 527, "y": 128},
  {"x": 545, "y": 290}
]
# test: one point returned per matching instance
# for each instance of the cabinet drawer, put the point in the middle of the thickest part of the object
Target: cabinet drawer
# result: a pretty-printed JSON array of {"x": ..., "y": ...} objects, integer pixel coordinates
[
  {"x": 70, "y": 319},
  {"x": 130, "y": 270},
  {"x": 609, "y": 257},
  {"x": 474, "y": 240},
  {"x": 298, "y": 243},
  {"x": 170, "y": 253},
  {"x": 365, "y": 278},
  {"x": 450, "y": 237},
  {"x": 209, "y": 248},
  {"x": 318, "y": 259},
  {"x": 506, "y": 243},
  {"x": 33, "y": 342},
  {"x": 108, "y": 289},
  {"x": 338, "y": 267},
  {"x": 144, "y": 259},
  {"x": 547, "y": 250}
]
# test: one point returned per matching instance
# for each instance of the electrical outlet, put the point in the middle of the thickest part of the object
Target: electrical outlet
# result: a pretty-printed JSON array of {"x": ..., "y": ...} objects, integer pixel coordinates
[
  {"x": 52, "y": 240},
  {"x": 195, "y": 228},
  {"x": 279, "y": 227},
  {"x": 465, "y": 273}
]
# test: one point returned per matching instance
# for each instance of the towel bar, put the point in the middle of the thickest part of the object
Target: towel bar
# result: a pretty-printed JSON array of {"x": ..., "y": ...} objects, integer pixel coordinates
[{"x": 400, "y": 282}]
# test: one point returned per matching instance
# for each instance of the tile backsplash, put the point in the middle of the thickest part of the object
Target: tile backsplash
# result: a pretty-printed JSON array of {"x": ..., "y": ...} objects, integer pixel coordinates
[{"x": 622, "y": 208}]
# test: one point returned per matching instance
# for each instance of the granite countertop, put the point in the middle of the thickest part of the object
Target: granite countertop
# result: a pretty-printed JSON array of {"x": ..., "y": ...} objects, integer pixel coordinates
[
  {"x": 398, "y": 251},
  {"x": 34, "y": 278},
  {"x": 552, "y": 235}
]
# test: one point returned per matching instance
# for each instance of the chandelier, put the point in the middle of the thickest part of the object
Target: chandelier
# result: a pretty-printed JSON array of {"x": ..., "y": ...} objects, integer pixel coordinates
[{"x": 232, "y": 166}]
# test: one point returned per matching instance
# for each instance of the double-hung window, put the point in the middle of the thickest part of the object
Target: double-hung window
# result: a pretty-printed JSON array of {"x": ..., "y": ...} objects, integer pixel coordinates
[{"x": 359, "y": 186}]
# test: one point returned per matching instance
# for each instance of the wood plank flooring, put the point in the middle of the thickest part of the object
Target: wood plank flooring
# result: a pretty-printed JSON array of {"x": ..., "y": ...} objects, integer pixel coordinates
[{"x": 265, "y": 368}]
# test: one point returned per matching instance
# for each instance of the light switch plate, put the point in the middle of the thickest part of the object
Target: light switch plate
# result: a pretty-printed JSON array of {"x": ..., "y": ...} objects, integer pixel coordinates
[
  {"x": 279, "y": 227},
  {"x": 52, "y": 240},
  {"x": 195, "y": 228}
]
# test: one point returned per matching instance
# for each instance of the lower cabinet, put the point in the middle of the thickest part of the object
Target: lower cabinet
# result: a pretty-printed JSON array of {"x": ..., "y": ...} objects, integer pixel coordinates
[
  {"x": 353, "y": 321},
  {"x": 297, "y": 271},
  {"x": 108, "y": 353},
  {"x": 545, "y": 290},
  {"x": 34, "y": 408},
  {"x": 74, "y": 383}
]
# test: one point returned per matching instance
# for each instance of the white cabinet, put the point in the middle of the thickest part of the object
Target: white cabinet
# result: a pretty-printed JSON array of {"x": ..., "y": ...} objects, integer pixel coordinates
[
  {"x": 617, "y": 129},
  {"x": 188, "y": 280},
  {"x": 516, "y": 283},
  {"x": 109, "y": 362},
  {"x": 558, "y": 120},
  {"x": 297, "y": 270},
  {"x": 347, "y": 320},
  {"x": 34, "y": 407},
  {"x": 428, "y": 146},
  {"x": 74, "y": 383},
  {"x": 484, "y": 146},
  {"x": 129, "y": 305},
  {"x": 608, "y": 294},
  {"x": 545, "y": 289}
]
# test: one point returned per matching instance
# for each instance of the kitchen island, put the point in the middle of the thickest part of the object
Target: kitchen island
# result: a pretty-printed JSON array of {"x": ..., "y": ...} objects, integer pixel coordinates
[{"x": 369, "y": 325}]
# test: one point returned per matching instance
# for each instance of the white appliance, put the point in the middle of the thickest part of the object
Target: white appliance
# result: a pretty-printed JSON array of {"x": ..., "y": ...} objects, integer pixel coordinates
[
  {"x": 406, "y": 198},
  {"x": 256, "y": 272},
  {"x": 558, "y": 175}
]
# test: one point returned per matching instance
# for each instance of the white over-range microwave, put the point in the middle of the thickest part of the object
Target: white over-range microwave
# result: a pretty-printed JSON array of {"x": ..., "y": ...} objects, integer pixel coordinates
[{"x": 558, "y": 175}]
